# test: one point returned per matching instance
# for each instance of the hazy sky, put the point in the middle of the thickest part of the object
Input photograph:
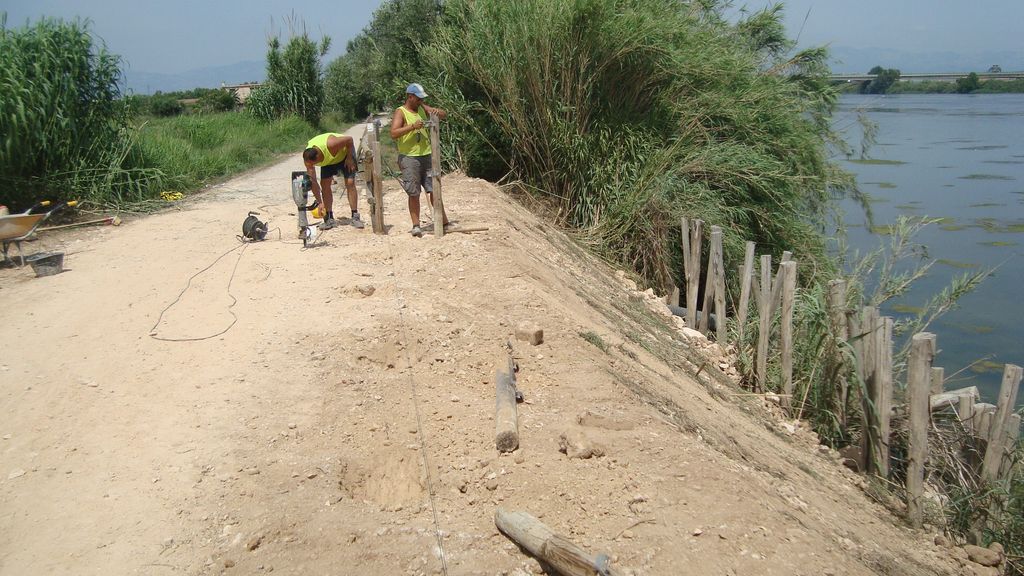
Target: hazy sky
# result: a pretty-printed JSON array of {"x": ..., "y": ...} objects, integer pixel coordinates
[
  {"x": 171, "y": 36},
  {"x": 176, "y": 35},
  {"x": 910, "y": 25}
]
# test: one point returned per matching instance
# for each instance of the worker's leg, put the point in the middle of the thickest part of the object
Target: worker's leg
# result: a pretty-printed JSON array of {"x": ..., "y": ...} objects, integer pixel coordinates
[
  {"x": 326, "y": 194},
  {"x": 411, "y": 183}
]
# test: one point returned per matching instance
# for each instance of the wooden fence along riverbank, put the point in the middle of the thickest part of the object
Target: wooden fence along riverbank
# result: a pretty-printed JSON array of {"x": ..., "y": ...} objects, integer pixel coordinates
[{"x": 987, "y": 433}]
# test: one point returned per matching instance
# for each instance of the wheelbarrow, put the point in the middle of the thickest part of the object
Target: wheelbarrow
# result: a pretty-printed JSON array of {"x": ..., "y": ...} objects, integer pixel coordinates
[{"x": 15, "y": 228}]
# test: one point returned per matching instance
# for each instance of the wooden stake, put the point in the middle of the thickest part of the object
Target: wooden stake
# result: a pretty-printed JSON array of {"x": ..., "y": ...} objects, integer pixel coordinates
[
  {"x": 506, "y": 418},
  {"x": 883, "y": 390},
  {"x": 764, "y": 320},
  {"x": 983, "y": 412},
  {"x": 709, "y": 283},
  {"x": 788, "y": 297},
  {"x": 559, "y": 553},
  {"x": 717, "y": 267},
  {"x": 377, "y": 218},
  {"x": 938, "y": 379},
  {"x": 1012, "y": 436},
  {"x": 1004, "y": 408},
  {"x": 693, "y": 273},
  {"x": 965, "y": 409},
  {"x": 435, "y": 168},
  {"x": 919, "y": 372},
  {"x": 837, "y": 314},
  {"x": 746, "y": 274}
]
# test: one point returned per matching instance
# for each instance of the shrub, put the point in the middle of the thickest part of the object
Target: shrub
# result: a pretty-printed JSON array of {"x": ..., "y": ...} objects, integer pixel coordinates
[
  {"x": 65, "y": 130},
  {"x": 293, "y": 84},
  {"x": 164, "y": 105},
  {"x": 218, "y": 101}
]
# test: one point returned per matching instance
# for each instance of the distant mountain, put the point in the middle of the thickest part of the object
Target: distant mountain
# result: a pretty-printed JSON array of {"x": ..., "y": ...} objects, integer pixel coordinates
[
  {"x": 846, "y": 60},
  {"x": 139, "y": 82}
]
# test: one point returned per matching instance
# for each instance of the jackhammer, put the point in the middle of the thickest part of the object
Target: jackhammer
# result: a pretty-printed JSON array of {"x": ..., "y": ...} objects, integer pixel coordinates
[{"x": 301, "y": 186}]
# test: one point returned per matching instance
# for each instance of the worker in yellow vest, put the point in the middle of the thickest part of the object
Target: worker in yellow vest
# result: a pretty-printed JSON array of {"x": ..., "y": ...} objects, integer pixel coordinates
[
  {"x": 407, "y": 129},
  {"x": 333, "y": 153}
]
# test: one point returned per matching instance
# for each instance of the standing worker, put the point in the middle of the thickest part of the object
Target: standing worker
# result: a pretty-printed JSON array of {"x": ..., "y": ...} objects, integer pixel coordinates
[
  {"x": 414, "y": 159},
  {"x": 333, "y": 153}
]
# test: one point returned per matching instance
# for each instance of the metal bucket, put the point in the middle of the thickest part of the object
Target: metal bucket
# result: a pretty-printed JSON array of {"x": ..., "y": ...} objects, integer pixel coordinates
[{"x": 46, "y": 263}]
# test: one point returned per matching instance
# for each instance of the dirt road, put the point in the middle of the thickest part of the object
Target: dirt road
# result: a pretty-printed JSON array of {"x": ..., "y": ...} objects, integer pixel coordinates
[{"x": 343, "y": 423}]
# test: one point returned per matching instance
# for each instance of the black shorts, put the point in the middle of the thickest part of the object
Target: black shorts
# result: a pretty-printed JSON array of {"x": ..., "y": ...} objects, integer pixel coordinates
[{"x": 332, "y": 170}]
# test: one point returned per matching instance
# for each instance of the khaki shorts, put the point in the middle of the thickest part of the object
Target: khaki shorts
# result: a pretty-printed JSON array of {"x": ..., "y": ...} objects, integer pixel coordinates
[{"x": 416, "y": 174}]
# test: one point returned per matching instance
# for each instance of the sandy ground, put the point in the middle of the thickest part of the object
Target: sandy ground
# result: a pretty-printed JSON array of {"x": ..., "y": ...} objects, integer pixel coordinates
[{"x": 344, "y": 423}]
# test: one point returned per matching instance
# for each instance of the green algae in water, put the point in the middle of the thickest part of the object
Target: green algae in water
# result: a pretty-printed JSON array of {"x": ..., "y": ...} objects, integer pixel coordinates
[
  {"x": 883, "y": 185},
  {"x": 986, "y": 147},
  {"x": 956, "y": 263},
  {"x": 906, "y": 309},
  {"x": 1003, "y": 161},
  {"x": 882, "y": 230},
  {"x": 998, "y": 243},
  {"x": 876, "y": 162},
  {"x": 907, "y": 207},
  {"x": 975, "y": 329},
  {"x": 986, "y": 367},
  {"x": 986, "y": 205},
  {"x": 953, "y": 227},
  {"x": 986, "y": 177}
]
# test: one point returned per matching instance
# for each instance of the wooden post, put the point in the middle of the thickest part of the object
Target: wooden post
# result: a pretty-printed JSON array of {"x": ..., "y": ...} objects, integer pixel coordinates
[
  {"x": 1012, "y": 436},
  {"x": 377, "y": 218},
  {"x": 764, "y": 321},
  {"x": 983, "y": 412},
  {"x": 559, "y": 553},
  {"x": 506, "y": 418},
  {"x": 965, "y": 410},
  {"x": 717, "y": 267},
  {"x": 788, "y": 298},
  {"x": 870, "y": 441},
  {"x": 1004, "y": 408},
  {"x": 883, "y": 390},
  {"x": 746, "y": 272},
  {"x": 709, "y": 282},
  {"x": 938, "y": 380},
  {"x": 919, "y": 373},
  {"x": 693, "y": 272},
  {"x": 435, "y": 168},
  {"x": 837, "y": 313}
]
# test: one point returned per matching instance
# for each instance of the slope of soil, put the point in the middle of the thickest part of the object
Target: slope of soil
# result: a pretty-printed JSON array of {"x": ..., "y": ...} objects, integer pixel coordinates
[{"x": 344, "y": 423}]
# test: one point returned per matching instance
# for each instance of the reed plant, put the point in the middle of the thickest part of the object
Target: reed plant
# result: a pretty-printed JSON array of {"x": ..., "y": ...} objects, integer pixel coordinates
[
  {"x": 625, "y": 115},
  {"x": 65, "y": 131}
]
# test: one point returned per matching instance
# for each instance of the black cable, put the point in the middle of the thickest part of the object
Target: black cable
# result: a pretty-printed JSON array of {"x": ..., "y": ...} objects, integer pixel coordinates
[{"x": 152, "y": 331}]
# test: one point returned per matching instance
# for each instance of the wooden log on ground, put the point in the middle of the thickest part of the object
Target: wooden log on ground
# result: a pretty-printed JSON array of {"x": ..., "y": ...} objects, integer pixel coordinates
[
  {"x": 693, "y": 273},
  {"x": 953, "y": 398},
  {"x": 764, "y": 306},
  {"x": 837, "y": 313},
  {"x": 717, "y": 267},
  {"x": 506, "y": 416},
  {"x": 746, "y": 272},
  {"x": 788, "y": 300},
  {"x": 919, "y": 367},
  {"x": 554, "y": 550},
  {"x": 1007, "y": 400},
  {"x": 435, "y": 168}
]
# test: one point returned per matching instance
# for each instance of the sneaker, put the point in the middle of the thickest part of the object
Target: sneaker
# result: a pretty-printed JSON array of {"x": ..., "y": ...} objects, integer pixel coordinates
[
  {"x": 328, "y": 224},
  {"x": 416, "y": 231},
  {"x": 357, "y": 222}
]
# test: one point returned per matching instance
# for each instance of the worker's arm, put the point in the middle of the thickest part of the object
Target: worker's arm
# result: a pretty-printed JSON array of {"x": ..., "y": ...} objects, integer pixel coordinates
[
  {"x": 431, "y": 110},
  {"x": 400, "y": 128},
  {"x": 311, "y": 171},
  {"x": 350, "y": 158}
]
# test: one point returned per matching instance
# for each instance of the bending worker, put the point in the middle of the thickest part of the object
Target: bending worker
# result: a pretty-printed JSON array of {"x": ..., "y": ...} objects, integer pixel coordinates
[
  {"x": 407, "y": 128},
  {"x": 333, "y": 153}
]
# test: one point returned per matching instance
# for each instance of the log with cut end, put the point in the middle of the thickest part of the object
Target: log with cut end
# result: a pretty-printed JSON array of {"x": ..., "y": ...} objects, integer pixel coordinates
[
  {"x": 562, "y": 555},
  {"x": 506, "y": 418},
  {"x": 952, "y": 398}
]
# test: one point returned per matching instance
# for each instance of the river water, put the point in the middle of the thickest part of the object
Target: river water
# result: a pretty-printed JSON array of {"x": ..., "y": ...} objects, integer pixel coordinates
[{"x": 959, "y": 158}]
